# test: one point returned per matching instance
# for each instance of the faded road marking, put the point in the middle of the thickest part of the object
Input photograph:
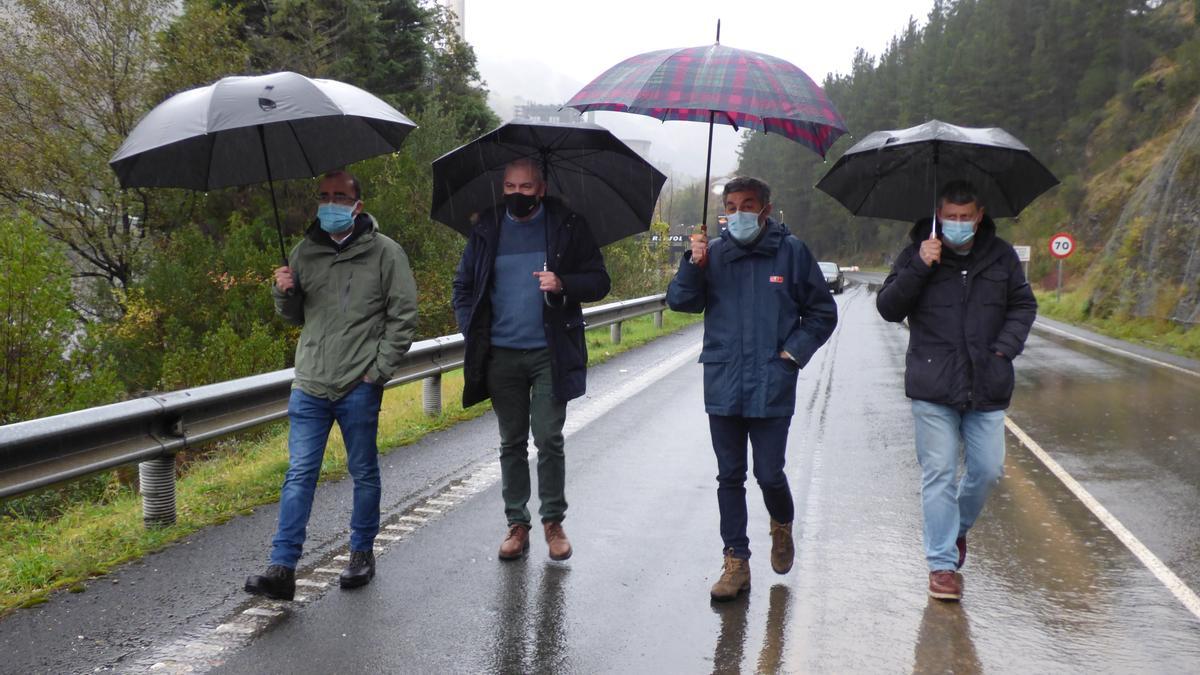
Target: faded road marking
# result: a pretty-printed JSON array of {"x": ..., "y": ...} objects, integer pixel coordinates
[
  {"x": 1164, "y": 574},
  {"x": 1115, "y": 350}
]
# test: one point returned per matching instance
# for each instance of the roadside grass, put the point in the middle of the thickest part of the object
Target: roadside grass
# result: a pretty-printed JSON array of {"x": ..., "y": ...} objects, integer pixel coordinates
[
  {"x": 88, "y": 539},
  {"x": 1154, "y": 333}
]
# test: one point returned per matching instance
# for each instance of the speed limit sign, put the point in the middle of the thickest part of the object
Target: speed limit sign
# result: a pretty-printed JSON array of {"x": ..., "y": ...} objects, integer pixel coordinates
[{"x": 1062, "y": 245}]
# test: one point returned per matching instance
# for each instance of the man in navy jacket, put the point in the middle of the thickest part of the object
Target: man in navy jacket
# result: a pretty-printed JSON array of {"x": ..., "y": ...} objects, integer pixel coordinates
[
  {"x": 767, "y": 310},
  {"x": 528, "y": 265},
  {"x": 969, "y": 310}
]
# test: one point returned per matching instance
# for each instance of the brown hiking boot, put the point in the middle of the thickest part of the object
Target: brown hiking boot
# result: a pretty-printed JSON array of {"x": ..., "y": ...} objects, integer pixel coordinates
[
  {"x": 945, "y": 585},
  {"x": 516, "y": 543},
  {"x": 556, "y": 540},
  {"x": 735, "y": 578},
  {"x": 783, "y": 549}
]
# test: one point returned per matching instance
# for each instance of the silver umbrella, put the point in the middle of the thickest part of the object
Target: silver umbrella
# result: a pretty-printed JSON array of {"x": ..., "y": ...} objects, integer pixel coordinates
[{"x": 244, "y": 130}]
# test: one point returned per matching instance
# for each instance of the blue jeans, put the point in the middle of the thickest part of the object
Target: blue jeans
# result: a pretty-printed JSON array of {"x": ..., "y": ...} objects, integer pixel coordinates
[
  {"x": 357, "y": 415},
  {"x": 950, "y": 507},
  {"x": 768, "y": 438}
]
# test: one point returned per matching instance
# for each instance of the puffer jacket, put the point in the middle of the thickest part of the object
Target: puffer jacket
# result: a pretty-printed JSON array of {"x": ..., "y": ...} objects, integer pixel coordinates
[
  {"x": 357, "y": 303},
  {"x": 757, "y": 301},
  {"x": 968, "y": 318}
]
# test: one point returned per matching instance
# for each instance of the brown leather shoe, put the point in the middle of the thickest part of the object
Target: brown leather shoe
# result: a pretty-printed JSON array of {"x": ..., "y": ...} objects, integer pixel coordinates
[
  {"x": 945, "y": 585},
  {"x": 735, "y": 578},
  {"x": 516, "y": 543},
  {"x": 556, "y": 540},
  {"x": 783, "y": 548}
]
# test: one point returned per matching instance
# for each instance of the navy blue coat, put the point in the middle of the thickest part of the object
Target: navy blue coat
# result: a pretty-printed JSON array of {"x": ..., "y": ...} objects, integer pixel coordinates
[
  {"x": 968, "y": 318},
  {"x": 757, "y": 302},
  {"x": 572, "y": 254}
]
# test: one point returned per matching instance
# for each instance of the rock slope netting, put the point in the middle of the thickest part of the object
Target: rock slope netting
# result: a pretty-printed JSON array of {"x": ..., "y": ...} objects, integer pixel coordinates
[{"x": 1151, "y": 262}]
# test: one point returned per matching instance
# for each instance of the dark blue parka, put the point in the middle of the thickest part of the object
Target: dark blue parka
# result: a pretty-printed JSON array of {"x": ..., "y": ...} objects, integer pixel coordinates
[
  {"x": 758, "y": 301},
  {"x": 572, "y": 254},
  {"x": 968, "y": 317}
]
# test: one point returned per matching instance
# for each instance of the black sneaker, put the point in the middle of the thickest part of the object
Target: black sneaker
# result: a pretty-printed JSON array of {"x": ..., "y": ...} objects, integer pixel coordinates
[
  {"x": 277, "y": 582},
  {"x": 360, "y": 571}
]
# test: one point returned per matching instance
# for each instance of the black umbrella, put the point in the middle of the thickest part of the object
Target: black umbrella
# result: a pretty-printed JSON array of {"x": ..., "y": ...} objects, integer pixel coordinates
[
  {"x": 588, "y": 167},
  {"x": 895, "y": 174},
  {"x": 243, "y": 130}
]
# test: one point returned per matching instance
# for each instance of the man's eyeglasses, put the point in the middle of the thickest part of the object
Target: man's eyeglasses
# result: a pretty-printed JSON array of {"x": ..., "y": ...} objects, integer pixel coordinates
[{"x": 336, "y": 198}]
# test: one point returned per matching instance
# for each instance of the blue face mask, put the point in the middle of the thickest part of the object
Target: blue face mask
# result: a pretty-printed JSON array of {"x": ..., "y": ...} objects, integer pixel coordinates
[
  {"x": 958, "y": 233},
  {"x": 742, "y": 226},
  {"x": 335, "y": 217}
]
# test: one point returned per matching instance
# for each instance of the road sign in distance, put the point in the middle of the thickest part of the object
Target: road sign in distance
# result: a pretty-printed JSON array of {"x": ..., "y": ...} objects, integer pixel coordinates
[
  {"x": 1023, "y": 252},
  {"x": 1062, "y": 245}
]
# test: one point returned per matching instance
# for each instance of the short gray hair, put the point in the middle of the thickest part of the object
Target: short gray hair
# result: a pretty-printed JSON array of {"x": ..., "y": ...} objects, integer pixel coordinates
[
  {"x": 530, "y": 163},
  {"x": 748, "y": 184}
]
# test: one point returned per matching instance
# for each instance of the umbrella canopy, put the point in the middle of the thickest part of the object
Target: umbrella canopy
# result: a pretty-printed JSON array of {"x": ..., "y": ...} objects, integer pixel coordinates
[
  {"x": 895, "y": 174},
  {"x": 714, "y": 82},
  {"x": 596, "y": 174},
  {"x": 244, "y": 130}
]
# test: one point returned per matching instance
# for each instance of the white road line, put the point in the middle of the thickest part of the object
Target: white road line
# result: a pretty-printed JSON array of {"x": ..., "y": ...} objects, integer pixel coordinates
[
  {"x": 1116, "y": 350},
  {"x": 1173, "y": 583}
]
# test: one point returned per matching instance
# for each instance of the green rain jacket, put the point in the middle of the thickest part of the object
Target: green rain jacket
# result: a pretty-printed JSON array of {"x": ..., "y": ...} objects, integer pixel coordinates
[{"x": 357, "y": 303}]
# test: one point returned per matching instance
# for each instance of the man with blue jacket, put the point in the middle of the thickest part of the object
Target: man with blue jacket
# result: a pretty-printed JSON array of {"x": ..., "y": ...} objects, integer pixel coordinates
[
  {"x": 528, "y": 265},
  {"x": 767, "y": 310}
]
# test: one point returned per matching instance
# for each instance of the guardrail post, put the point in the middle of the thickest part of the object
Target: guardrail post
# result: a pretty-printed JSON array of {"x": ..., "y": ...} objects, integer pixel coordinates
[
  {"x": 614, "y": 332},
  {"x": 658, "y": 319},
  {"x": 431, "y": 389},
  {"x": 157, "y": 480}
]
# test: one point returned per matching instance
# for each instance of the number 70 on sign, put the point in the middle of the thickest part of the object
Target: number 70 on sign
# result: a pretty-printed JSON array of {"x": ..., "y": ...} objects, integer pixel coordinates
[{"x": 1062, "y": 245}]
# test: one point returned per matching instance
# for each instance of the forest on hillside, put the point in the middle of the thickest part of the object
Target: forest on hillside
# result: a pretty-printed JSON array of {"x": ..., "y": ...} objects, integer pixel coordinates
[
  {"x": 110, "y": 293},
  {"x": 1083, "y": 83}
]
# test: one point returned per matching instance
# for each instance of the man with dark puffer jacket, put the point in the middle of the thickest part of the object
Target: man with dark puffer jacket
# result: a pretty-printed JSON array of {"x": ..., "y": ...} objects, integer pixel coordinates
[
  {"x": 528, "y": 265},
  {"x": 969, "y": 310}
]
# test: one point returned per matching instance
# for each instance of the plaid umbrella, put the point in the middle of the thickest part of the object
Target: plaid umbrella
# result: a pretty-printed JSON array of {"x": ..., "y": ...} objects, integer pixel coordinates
[{"x": 714, "y": 82}]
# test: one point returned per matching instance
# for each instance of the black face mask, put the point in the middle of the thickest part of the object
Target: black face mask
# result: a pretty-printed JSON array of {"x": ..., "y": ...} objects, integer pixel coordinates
[{"x": 520, "y": 205}]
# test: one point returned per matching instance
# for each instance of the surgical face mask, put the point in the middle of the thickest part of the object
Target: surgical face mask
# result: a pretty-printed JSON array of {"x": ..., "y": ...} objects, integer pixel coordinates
[
  {"x": 958, "y": 233},
  {"x": 742, "y": 226},
  {"x": 335, "y": 217},
  {"x": 520, "y": 205}
]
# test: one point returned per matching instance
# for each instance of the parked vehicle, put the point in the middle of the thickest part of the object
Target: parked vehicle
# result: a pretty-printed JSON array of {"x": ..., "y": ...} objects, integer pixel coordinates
[{"x": 833, "y": 276}]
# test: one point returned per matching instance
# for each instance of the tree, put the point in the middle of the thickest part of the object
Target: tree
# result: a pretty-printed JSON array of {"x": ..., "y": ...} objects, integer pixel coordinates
[{"x": 76, "y": 76}]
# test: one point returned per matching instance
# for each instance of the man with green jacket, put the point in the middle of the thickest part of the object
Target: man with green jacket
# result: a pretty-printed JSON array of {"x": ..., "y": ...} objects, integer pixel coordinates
[{"x": 352, "y": 290}]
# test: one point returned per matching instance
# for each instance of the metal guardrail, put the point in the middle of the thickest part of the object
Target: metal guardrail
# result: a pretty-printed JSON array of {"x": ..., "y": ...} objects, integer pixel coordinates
[{"x": 150, "y": 430}]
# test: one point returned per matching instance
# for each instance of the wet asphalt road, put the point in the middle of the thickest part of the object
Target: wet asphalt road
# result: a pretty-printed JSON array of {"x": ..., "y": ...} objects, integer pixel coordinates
[{"x": 1048, "y": 588}]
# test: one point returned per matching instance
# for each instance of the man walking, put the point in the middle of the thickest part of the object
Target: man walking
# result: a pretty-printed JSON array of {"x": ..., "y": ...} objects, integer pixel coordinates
[
  {"x": 969, "y": 310},
  {"x": 352, "y": 290},
  {"x": 528, "y": 265},
  {"x": 767, "y": 310}
]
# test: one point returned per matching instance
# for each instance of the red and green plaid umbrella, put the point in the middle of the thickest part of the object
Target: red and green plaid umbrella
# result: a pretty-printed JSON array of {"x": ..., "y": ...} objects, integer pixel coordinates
[
  {"x": 744, "y": 88},
  {"x": 717, "y": 83}
]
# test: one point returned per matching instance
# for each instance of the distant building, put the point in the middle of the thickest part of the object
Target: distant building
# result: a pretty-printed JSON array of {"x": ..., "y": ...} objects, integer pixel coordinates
[
  {"x": 460, "y": 12},
  {"x": 547, "y": 112}
]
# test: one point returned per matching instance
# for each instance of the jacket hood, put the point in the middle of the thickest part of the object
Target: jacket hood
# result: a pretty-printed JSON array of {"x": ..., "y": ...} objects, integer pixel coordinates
[
  {"x": 768, "y": 241},
  {"x": 363, "y": 223}
]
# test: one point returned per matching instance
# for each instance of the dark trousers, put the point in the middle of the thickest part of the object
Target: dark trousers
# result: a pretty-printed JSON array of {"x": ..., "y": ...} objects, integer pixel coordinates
[
  {"x": 768, "y": 438},
  {"x": 522, "y": 391}
]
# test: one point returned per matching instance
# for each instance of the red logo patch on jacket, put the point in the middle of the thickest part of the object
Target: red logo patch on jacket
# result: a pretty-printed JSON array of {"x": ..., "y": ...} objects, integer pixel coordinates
[{"x": 776, "y": 279}]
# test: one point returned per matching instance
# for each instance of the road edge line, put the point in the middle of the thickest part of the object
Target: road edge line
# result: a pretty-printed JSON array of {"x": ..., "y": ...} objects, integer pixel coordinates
[
  {"x": 1157, "y": 567},
  {"x": 1114, "y": 350}
]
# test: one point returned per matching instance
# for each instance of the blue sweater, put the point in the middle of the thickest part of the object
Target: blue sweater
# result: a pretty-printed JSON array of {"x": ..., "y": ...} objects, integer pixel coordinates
[{"x": 516, "y": 300}]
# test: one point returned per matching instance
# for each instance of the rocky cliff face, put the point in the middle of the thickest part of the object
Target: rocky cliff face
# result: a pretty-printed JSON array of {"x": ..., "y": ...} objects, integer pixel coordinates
[{"x": 1151, "y": 262}]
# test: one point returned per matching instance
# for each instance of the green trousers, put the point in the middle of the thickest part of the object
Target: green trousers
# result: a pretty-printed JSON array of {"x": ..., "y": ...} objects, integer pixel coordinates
[{"x": 522, "y": 391}]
